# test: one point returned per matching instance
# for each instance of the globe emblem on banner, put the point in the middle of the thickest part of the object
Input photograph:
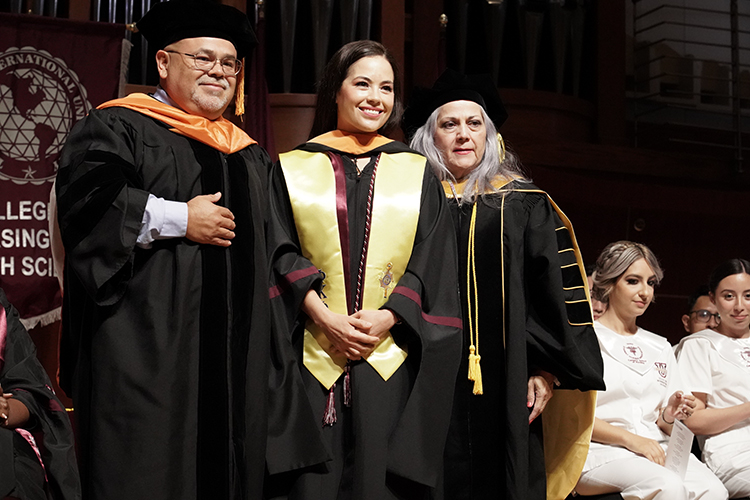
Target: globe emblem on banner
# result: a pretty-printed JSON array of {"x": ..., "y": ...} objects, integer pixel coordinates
[{"x": 40, "y": 101}]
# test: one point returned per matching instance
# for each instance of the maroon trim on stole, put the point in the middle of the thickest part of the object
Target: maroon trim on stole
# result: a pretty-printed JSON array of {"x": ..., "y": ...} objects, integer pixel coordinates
[
  {"x": 435, "y": 320},
  {"x": 342, "y": 214},
  {"x": 290, "y": 278}
]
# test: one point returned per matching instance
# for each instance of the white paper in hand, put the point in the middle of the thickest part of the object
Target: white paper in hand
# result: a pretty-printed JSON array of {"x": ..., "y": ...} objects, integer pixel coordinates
[{"x": 678, "y": 450}]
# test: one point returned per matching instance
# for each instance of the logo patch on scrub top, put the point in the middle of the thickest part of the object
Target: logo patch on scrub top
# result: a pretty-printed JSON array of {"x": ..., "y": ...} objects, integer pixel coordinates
[
  {"x": 661, "y": 369},
  {"x": 634, "y": 353},
  {"x": 745, "y": 353}
]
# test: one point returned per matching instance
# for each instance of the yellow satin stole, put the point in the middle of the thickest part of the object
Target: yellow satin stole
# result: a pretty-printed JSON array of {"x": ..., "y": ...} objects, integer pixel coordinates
[{"x": 395, "y": 213}]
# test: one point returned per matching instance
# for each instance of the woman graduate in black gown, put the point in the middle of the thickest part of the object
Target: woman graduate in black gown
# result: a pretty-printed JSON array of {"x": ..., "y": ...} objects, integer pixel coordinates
[
  {"x": 527, "y": 316},
  {"x": 364, "y": 299}
]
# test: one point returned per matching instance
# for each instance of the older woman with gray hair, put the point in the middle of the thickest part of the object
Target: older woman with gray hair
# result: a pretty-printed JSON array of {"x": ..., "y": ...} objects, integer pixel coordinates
[
  {"x": 527, "y": 316},
  {"x": 645, "y": 392}
]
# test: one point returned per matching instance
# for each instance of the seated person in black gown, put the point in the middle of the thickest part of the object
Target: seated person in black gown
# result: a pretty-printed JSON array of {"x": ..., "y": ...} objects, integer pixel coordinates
[{"x": 29, "y": 408}]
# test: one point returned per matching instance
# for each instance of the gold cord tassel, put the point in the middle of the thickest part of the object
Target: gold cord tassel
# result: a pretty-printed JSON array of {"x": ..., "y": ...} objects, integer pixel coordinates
[
  {"x": 475, "y": 370},
  {"x": 472, "y": 363},
  {"x": 478, "y": 388},
  {"x": 239, "y": 98}
]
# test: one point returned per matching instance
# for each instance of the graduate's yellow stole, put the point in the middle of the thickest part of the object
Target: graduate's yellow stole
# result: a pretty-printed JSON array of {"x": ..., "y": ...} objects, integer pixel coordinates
[{"x": 318, "y": 202}]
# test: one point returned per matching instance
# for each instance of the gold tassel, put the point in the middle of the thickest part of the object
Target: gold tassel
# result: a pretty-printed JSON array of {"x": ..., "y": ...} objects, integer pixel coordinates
[
  {"x": 239, "y": 97},
  {"x": 478, "y": 388},
  {"x": 475, "y": 371},
  {"x": 472, "y": 364}
]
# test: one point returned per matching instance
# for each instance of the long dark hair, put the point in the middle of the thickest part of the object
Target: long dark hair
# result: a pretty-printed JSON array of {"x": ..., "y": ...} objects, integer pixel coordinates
[
  {"x": 727, "y": 268},
  {"x": 326, "y": 110}
]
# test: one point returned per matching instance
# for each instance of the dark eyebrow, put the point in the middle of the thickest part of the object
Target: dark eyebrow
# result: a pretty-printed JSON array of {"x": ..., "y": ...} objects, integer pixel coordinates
[
  {"x": 368, "y": 79},
  {"x": 632, "y": 275}
]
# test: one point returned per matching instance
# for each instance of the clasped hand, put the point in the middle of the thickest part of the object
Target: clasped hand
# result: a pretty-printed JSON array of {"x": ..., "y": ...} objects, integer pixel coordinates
[
  {"x": 679, "y": 407},
  {"x": 356, "y": 336}
]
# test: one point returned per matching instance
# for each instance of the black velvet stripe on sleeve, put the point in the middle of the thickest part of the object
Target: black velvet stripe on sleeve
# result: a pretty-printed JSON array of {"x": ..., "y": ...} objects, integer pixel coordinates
[
  {"x": 579, "y": 313},
  {"x": 564, "y": 240},
  {"x": 213, "y": 420},
  {"x": 576, "y": 304},
  {"x": 94, "y": 192},
  {"x": 571, "y": 276},
  {"x": 117, "y": 170}
]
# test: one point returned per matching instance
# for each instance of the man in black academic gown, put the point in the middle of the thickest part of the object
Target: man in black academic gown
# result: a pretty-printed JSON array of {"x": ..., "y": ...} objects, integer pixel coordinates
[{"x": 165, "y": 339}]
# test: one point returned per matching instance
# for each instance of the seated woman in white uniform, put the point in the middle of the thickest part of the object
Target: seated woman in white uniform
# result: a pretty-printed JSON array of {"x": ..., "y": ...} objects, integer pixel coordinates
[
  {"x": 716, "y": 364},
  {"x": 635, "y": 415}
]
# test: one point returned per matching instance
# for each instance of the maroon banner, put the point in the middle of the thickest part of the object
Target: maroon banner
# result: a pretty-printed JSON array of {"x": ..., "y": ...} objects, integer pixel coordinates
[{"x": 52, "y": 72}]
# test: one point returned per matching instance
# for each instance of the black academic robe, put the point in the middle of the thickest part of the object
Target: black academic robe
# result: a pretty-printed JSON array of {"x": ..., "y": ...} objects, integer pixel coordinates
[
  {"x": 492, "y": 451},
  {"x": 22, "y": 375},
  {"x": 389, "y": 443},
  {"x": 165, "y": 349}
]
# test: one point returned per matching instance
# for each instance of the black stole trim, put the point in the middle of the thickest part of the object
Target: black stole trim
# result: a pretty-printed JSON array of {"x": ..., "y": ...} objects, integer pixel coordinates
[{"x": 213, "y": 454}]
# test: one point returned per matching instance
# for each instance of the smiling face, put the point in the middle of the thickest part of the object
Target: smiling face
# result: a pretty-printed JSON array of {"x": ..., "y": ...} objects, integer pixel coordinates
[
  {"x": 365, "y": 99},
  {"x": 202, "y": 93},
  {"x": 633, "y": 291},
  {"x": 461, "y": 136},
  {"x": 732, "y": 299}
]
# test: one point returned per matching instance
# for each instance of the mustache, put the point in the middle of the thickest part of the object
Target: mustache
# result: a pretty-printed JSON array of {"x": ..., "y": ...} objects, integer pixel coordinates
[{"x": 214, "y": 81}]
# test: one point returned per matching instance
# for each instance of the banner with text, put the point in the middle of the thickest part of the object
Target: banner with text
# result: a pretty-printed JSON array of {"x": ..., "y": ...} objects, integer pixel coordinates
[{"x": 52, "y": 72}]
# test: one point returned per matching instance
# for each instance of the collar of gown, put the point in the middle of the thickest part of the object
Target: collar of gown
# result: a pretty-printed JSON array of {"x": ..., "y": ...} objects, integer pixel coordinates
[
  {"x": 347, "y": 142},
  {"x": 220, "y": 134},
  {"x": 498, "y": 183}
]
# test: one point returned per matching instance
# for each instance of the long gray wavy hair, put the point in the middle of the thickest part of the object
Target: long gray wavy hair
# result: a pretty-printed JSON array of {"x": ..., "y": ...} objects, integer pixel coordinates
[{"x": 480, "y": 179}]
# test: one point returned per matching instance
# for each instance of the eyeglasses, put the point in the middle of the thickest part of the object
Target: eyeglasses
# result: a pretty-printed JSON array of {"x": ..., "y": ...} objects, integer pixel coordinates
[
  {"x": 705, "y": 316},
  {"x": 229, "y": 65}
]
